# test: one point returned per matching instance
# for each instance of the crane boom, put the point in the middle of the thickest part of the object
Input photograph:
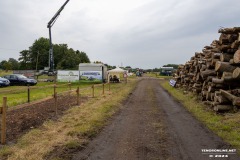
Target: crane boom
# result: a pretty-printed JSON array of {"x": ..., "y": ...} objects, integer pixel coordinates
[
  {"x": 52, "y": 21},
  {"x": 49, "y": 26}
]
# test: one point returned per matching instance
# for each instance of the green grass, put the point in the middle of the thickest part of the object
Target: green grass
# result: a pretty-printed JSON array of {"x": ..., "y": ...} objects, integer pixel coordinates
[
  {"x": 3, "y": 73},
  {"x": 19, "y": 94},
  {"x": 156, "y": 75},
  {"x": 226, "y": 126}
]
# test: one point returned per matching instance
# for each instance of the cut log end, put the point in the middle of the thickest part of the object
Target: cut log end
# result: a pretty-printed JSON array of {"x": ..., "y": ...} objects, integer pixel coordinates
[{"x": 220, "y": 108}]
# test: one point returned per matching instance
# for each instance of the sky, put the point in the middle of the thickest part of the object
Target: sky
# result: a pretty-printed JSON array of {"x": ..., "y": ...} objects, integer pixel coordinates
[{"x": 138, "y": 33}]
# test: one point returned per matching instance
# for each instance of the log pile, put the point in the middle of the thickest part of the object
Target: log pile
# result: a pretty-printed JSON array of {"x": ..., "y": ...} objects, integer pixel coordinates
[{"x": 214, "y": 73}]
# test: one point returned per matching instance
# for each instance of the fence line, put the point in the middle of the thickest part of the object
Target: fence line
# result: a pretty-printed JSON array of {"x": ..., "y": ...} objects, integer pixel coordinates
[
  {"x": 34, "y": 94},
  {"x": 96, "y": 89},
  {"x": 33, "y": 87}
]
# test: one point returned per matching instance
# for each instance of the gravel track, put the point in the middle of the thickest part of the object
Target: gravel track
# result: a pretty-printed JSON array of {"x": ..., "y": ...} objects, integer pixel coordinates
[{"x": 152, "y": 125}]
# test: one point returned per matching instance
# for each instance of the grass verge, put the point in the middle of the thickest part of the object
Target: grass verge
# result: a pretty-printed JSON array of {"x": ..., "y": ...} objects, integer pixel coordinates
[
  {"x": 57, "y": 140},
  {"x": 226, "y": 126},
  {"x": 19, "y": 94}
]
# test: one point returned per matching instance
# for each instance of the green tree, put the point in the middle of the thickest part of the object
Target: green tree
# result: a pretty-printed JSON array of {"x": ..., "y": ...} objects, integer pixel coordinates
[
  {"x": 69, "y": 61},
  {"x": 25, "y": 60},
  {"x": 83, "y": 57},
  {"x": 97, "y": 62},
  {"x": 14, "y": 63},
  {"x": 59, "y": 51},
  {"x": 156, "y": 70},
  {"x": 2, "y": 64},
  {"x": 7, "y": 66},
  {"x": 128, "y": 67},
  {"x": 38, "y": 56},
  {"x": 39, "y": 53}
]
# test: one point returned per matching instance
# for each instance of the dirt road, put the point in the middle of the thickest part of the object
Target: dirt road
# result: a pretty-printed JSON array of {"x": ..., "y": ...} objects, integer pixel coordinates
[{"x": 151, "y": 125}]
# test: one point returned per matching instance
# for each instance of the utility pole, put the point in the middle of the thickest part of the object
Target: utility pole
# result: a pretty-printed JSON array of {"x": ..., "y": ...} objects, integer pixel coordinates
[
  {"x": 49, "y": 26},
  {"x": 37, "y": 61}
]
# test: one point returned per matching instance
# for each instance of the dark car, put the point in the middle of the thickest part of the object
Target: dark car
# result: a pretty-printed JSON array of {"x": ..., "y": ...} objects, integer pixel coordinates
[
  {"x": 18, "y": 79},
  {"x": 4, "y": 82}
]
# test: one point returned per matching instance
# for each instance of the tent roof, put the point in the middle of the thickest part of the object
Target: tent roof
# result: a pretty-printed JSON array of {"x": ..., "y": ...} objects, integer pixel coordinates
[{"x": 116, "y": 70}]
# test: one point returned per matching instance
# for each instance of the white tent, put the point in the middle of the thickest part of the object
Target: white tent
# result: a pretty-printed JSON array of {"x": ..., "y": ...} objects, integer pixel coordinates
[{"x": 117, "y": 71}]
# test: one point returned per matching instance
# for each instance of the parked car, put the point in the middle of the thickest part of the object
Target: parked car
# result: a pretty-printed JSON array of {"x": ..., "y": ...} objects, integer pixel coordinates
[
  {"x": 4, "y": 82},
  {"x": 18, "y": 79}
]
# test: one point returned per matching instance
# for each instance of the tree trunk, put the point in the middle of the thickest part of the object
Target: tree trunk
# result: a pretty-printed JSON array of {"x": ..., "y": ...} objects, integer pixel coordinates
[
  {"x": 211, "y": 89},
  {"x": 235, "y": 44},
  {"x": 207, "y": 73},
  {"x": 209, "y": 78},
  {"x": 228, "y": 95},
  {"x": 197, "y": 85},
  {"x": 199, "y": 78},
  {"x": 227, "y": 77},
  {"x": 224, "y": 67},
  {"x": 223, "y": 39},
  {"x": 234, "y": 30},
  {"x": 214, "y": 60},
  {"x": 203, "y": 67},
  {"x": 197, "y": 90},
  {"x": 234, "y": 99},
  {"x": 217, "y": 81},
  {"x": 236, "y": 73},
  {"x": 223, "y": 100},
  {"x": 218, "y": 108},
  {"x": 224, "y": 48},
  {"x": 235, "y": 91},
  {"x": 236, "y": 57},
  {"x": 208, "y": 96},
  {"x": 231, "y": 61},
  {"x": 216, "y": 55},
  {"x": 232, "y": 50},
  {"x": 226, "y": 57}
]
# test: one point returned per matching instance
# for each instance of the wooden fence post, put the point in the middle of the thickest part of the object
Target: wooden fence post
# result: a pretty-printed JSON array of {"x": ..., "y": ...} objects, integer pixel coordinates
[
  {"x": 28, "y": 91},
  {"x": 70, "y": 87},
  {"x": 55, "y": 103},
  {"x": 78, "y": 101},
  {"x": 103, "y": 89},
  {"x": 54, "y": 90},
  {"x": 3, "y": 124},
  {"x": 93, "y": 91},
  {"x": 55, "y": 98}
]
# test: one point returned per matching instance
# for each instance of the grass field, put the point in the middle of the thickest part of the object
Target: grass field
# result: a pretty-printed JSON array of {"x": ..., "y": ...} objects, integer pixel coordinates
[
  {"x": 73, "y": 130},
  {"x": 3, "y": 73},
  {"x": 156, "y": 75},
  {"x": 19, "y": 94},
  {"x": 226, "y": 126}
]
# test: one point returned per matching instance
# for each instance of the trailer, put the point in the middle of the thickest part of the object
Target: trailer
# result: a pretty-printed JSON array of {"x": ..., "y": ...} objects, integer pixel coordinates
[
  {"x": 166, "y": 71},
  {"x": 92, "y": 72}
]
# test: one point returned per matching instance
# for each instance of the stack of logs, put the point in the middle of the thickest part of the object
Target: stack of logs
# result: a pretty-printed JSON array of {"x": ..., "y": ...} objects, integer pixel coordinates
[{"x": 214, "y": 73}]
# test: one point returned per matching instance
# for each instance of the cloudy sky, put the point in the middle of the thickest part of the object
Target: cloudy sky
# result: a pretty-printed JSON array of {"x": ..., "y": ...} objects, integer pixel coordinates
[{"x": 139, "y": 33}]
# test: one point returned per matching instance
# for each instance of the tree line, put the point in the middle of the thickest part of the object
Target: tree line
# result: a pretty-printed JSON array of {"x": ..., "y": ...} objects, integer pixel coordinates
[{"x": 37, "y": 57}]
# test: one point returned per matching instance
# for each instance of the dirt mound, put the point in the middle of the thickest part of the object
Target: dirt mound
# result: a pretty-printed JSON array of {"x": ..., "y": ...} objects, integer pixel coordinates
[{"x": 22, "y": 119}]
